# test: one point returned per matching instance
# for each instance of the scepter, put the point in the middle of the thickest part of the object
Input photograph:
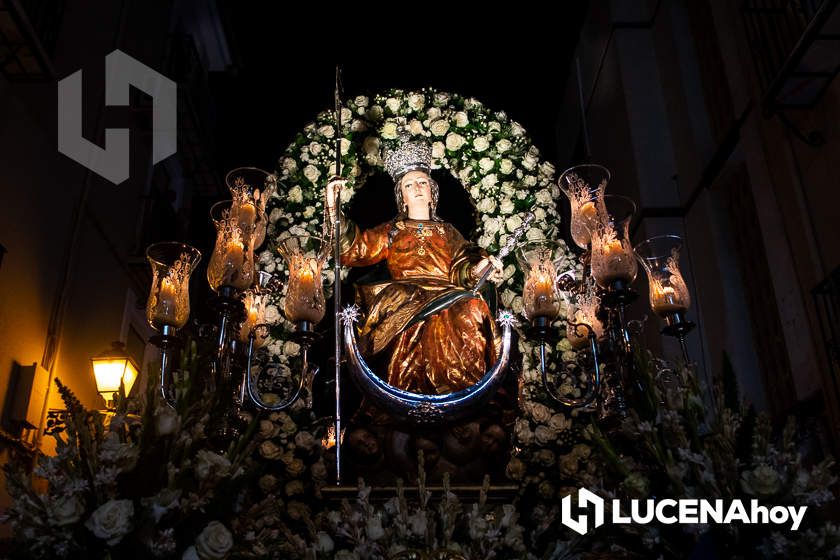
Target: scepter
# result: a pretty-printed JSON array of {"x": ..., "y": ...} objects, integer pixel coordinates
[{"x": 337, "y": 281}]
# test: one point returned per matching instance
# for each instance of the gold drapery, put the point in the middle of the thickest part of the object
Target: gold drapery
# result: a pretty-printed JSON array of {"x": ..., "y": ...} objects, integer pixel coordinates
[{"x": 448, "y": 351}]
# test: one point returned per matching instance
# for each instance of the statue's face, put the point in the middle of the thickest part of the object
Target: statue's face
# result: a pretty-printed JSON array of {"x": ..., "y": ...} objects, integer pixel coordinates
[{"x": 416, "y": 190}]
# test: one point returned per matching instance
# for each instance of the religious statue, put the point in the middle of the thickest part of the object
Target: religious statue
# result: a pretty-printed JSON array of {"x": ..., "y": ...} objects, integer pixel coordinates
[{"x": 426, "y": 257}]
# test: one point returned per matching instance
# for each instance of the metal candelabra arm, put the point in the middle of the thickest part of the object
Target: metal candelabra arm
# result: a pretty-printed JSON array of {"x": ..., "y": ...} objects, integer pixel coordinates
[
  {"x": 593, "y": 386},
  {"x": 247, "y": 386},
  {"x": 166, "y": 341}
]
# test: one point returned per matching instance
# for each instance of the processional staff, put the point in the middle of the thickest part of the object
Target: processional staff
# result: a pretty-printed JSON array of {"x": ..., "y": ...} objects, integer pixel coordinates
[{"x": 337, "y": 282}]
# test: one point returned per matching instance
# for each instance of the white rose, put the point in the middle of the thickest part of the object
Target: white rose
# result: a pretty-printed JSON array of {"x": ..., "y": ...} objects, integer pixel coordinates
[
  {"x": 270, "y": 450},
  {"x": 441, "y": 99},
  {"x": 208, "y": 462},
  {"x": 481, "y": 143},
  {"x": 267, "y": 483},
  {"x": 544, "y": 434},
  {"x": 315, "y": 148},
  {"x": 357, "y": 126},
  {"x": 319, "y": 470},
  {"x": 543, "y": 197},
  {"x": 544, "y": 457},
  {"x": 506, "y": 207},
  {"x": 438, "y": 150},
  {"x": 475, "y": 192},
  {"x": 503, "y": 145},
  {"x": 294, "y": 468},
  {"x": 345, "y": 146},
  {"x": 494, "y": 127},
  {"x": 327, "y": 130},
  {"x": 534, "y": 234},
  {"x": 346, "y": 115},
  {"x": 484, "y": 241},
  {"x": 275, "y": 215},
  {"x": 305, "y": 440},
  {"x": 454, "y": 141},
  {"x": 167, "y": 421},
  {"x": 513, "y": 222},
  {"x": 529, "y": 181},
  {"x": 272, "y": 314},
  {"x": 416, "y": 101},
  {"x": 309, "y": 212},
  {"x": 558, "y": 422},
  {"x": 393, "y": 104},
  {"x": 433, "y": 113},
  {"x": 540, "y": 413},
  {"x": 112, "y": 520},
  {"x": 516, "y": 129},
  {"x": 465, "y": 174},
  {"x": 489, "y": 181},
  {"x": 461, "y": 119},
  {"x": 389, "y": 130},
  {"x": 66, "y": 510},
  {"x": 291, "y": 348},
  {"x": 289, "y": 165},
  {"x": 492, "y": 225},
  {"x": 214, "y": 542},
  {"x": 487, "y": 206},
  {"x": 439, "y": 127},
  {"x": 505, "y": 166},
  {"x": 268, "y": 429},
  {"x": 310, "y": 172},
  {"x": 323, "y": 543},
  {"x": 529, "y": 162},
  {"x": 416, "y": 127},
  {"x": 539, "y": 214},
  {"x": 296, "y": 193},
  {"x": 361, "y": 101},
  {"x": 547, "y": 169},
  {"x": 294, "y": 487}
]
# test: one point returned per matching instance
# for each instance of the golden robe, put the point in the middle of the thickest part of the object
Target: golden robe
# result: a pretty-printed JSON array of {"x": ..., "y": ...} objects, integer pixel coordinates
[{"x": 450, "y": 350}]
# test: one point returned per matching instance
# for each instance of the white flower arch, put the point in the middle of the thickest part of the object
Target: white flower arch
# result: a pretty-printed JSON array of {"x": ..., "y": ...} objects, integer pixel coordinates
[{"x": 490, "y": 155}]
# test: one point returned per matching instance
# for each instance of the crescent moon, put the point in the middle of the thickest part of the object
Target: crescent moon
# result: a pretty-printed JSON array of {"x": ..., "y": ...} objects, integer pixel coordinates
[{"x": 417, "y": 407}]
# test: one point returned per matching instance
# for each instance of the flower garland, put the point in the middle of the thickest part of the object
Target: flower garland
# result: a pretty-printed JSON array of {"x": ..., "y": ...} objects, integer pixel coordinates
[{"x": 490, "y": 154}]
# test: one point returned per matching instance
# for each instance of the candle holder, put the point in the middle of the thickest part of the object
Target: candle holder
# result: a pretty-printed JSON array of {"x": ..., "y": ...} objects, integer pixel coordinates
[
  {"x": 669, "y": 296},
  {"x": 232, "y": 262},
  {"x": 250, "y": 188},
  {"x": 584, "y": 186},
  {"x": 168, "y": 306},
  {"x": 541, "y": 300},
  {"x": 614, "y": 265},
  {"x": 305, "y": 257}
]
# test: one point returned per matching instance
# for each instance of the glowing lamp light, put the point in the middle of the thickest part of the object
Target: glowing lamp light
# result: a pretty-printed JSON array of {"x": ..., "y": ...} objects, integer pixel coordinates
[{"x": 112, "y": 367}]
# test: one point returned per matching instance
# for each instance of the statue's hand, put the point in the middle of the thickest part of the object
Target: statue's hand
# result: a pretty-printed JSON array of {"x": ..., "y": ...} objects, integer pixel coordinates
[
  {"x": 334, "y": 186},
  {"x": 496, "y": 277}
]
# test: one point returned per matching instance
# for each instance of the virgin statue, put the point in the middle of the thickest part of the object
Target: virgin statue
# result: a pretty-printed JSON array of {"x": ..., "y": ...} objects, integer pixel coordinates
[{"x": 426, "y": 257}]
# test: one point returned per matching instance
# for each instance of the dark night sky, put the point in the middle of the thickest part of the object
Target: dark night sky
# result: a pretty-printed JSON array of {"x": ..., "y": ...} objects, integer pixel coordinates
[{"x": 286, "y": 66}]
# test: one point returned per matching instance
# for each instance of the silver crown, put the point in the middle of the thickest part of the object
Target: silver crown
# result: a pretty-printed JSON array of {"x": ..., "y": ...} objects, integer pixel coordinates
[{"x": 409, "y": 156}]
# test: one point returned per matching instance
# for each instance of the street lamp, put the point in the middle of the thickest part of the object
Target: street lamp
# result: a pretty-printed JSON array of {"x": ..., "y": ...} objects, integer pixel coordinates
[{"x": 112, "y": 367}]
